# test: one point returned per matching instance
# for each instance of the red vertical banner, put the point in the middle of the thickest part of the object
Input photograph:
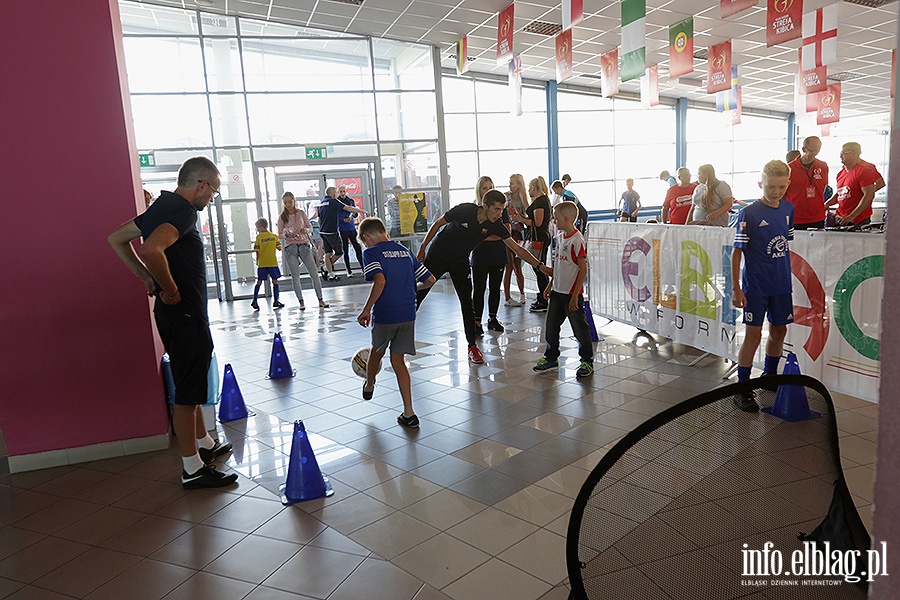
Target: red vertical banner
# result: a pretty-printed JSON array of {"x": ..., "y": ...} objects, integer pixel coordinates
[
  {"x": 826, "y": 130},
  {"x": 609, "y": 73},
  {"x": 505, "y": 27},
  {"x": 681, "y": 47},
  {"x": 784, "y": 19},
  {"x": 812, "y": 101},
  {"x": 813, "y": 80},
  {"x": 829, "y": 106},
  {"x": 564, "y": 55},
  {"x": 650, "y": 87},
  {"x": 718, "y": 77},
  {"x": 736, "y": 113},
  {"x": 733, "y": 7}
]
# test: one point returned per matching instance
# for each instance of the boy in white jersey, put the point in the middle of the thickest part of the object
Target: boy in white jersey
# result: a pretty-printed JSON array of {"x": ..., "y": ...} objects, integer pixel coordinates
[{"x": 565, "y": 292}]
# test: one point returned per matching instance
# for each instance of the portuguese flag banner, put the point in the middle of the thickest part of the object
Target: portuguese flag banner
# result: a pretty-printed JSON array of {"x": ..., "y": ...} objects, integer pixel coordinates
[
  {"x": 634, "y": 39},
  {"x": 681, "y": 47}
]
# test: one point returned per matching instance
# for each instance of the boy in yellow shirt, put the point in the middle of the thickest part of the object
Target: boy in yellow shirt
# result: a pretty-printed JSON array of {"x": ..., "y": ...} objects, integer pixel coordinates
[{"x": 267, "y": 264}]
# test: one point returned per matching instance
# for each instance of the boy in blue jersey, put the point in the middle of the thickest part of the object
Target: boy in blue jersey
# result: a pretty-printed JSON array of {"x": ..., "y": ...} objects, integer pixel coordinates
[
  {"x": 396, "y": 274},
  {"x": 764, "y": 229}
]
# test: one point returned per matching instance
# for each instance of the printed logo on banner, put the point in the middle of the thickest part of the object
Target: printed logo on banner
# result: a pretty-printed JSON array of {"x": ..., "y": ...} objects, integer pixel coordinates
[
  {"x": 829, "y": 107},
  {"x": 718, "y": 78},
  {"x": 564, "y": 55},
  {"x": 505, "y": 22},
  {"x": 783, "y": 21}
]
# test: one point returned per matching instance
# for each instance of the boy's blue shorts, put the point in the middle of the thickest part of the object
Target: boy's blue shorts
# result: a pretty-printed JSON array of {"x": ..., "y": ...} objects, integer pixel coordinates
[
  {"x": 780, "y": 310},
  {"x": 263, "y": 272}
]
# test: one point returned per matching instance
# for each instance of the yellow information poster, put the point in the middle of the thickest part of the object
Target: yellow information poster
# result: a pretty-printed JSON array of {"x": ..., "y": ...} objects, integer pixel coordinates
[{"x": 413, "y": 213}]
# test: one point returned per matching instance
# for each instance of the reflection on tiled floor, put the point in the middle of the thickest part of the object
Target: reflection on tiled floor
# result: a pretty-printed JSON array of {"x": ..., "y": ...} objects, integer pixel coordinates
[{"x": 473, "y": 505}]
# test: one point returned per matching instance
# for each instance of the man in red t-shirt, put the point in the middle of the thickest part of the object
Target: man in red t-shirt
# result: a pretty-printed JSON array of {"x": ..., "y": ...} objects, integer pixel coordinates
[
  {"x": 856, "y": 187},
  {"x": 677, "y": 205},
  {"x": 806, "y": 192}
]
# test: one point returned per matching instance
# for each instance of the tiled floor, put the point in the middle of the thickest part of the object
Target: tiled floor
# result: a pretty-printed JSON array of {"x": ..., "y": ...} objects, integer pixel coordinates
[{"x": 473, "y": 505}]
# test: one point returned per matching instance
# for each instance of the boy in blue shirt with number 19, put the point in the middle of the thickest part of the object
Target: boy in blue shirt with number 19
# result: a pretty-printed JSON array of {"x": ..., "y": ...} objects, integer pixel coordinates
[
  {"x": 396, "y": 274},
  {"x": 764, "y": 230}
]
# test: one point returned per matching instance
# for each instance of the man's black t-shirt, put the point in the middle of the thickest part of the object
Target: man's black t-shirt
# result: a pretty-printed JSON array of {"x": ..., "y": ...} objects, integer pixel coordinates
[
  {"x": 463, "y": 232},
  {"x": 186, "y": 258}
]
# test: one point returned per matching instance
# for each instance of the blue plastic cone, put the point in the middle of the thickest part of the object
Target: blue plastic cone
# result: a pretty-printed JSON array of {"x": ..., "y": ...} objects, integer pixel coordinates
[
  {"x": 590, "y": 321},
  {"x": 279, "y": 365},
  {"x": 304, "y": 479},
  {"x": 791, "y": 403},
  {"x": 232, "y": 406}
]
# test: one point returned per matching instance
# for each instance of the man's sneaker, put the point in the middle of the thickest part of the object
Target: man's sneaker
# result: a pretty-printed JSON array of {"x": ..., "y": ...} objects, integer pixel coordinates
[
  {"x": 513, "y": 302},
  {"x": 475, "y": 355},
  {"x": 545, "y": 365},
  {"x": 585, "y": 369},
  {"x": 538, "y": 307},
  {"x": 254, "y": 305},
  {"x": 220, "y": 449},
  {"x": 207, "y": 477},
  {"x": 367, "y": 394},
  {"x": 745, "y": 402},
  {"x": 411, "y": 422},
  {"x": 479, "y": 330},
  {"x": 494, "y": 325},
  {"x": 277, "y": 304}
]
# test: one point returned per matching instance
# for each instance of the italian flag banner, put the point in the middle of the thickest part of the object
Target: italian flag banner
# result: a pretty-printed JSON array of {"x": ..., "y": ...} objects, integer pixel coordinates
[
  {"x": 681, "y": 47},
  {"x": 634, "y": 39}
]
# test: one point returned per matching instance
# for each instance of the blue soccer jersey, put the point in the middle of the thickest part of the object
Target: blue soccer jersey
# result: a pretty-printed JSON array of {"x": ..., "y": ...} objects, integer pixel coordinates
[
  {"x": 401, "y": 270},
  {"x": 763, "y": 233}
]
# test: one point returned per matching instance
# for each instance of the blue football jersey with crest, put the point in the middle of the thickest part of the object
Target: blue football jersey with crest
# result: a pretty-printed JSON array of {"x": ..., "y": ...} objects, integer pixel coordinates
[{"x": 763, "y": 234}]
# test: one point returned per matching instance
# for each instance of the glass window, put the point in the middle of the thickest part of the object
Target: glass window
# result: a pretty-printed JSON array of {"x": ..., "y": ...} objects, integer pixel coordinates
[
  {"x": 140, "y": 19},
  {"x": 306, "y": 65},
  {"x": 459, "y": 132},
  {"x": 278, "y": 118},
  {"x": 164, "y": 64},
  {"x": 499, "y": 165},
  {"x": 413, "y": 165},
  {"x": 636, "y": 125},
  {"x": 587, "y": 164},
  {"x": 458, "y": 94},
  {"x": 569, "y": 101},
  {"x": 572, "y": 127},
  {"x": 223, "y": 65},
  {"x": 229, "y": 119},
  {"x": 406, "y": 115},
  {"x": 504, "y": 131},
  {"x": 255, "y": 27},
  {"x": 171, "y": 121},
  {"x": 218, "y": 24},
  {"x": 595, "y": 195},
  {"x": 494, "y": 97},
  {"x": 463, "y": 168},
  {"x": 402, "y": 66}
]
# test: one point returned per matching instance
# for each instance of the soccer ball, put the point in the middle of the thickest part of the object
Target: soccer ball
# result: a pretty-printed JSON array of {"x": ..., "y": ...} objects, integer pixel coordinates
[{"x": 359, "y": 362}]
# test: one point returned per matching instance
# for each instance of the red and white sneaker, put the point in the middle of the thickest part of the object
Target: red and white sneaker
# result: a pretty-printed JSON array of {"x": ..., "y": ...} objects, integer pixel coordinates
[{"x": 475, "y": 355}]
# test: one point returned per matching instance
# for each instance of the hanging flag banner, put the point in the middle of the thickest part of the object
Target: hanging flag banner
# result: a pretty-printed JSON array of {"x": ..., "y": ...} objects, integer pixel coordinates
[
  {"x": 812, "y": 101},
  {"x": 819, "y": 45},
  {"x": 728, "y": 99},
  {"x": 572, "y": 13},
  {"x": 505, "y": 21},
  {"x": 609, "y": 73},
  {"x": 813, "y": 80},
  {"x": 893, "y": 71},
  {"x": 462, "y": 55},
  {"x": 826, "y": 130},
  {"x": 718, "y": 77},
  {"x": 681, "y": 48},
  {"x": 783, "y": 21},
  {"x": 634, "y": 39},
  {"x": 733, "y": 7},
  {"x": 829, "y": 106},
  {"x": 736, "y": 113},
  {"x": 650, "y": 87},
  {"x": 564, "y": 55},
  {"x": 515, "y": 85}
]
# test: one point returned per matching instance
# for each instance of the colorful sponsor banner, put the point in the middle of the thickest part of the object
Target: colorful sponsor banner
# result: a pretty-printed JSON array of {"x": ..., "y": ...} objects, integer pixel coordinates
[
  {"x": 609, "y": 73},
  {"x": 413, "y": 213},
  {"x": 564, "y": 55},
  {"x": 819, "y": 45},
  {"x": 783, "y": 21},
  {"x": 462, "y": 55},
  {"x": 829, "y": 105},
  {"x": 505, "y": 28},
  {"x": 675, "y": 281},
  {"x": 515, "y": 85},
  {"x": 650, "y": 87},
  {"x": 728, "y": 99},
  {"x": 718, "y": 77},
  {"x": 738, "y": 110},
  {"x": 733, "y": 7},
  {"x": 634, "y": 39},
  {"x": 681, "y": 47},
  {"x": 572, "y": 13},
  {"x": 813, "y": 80}
]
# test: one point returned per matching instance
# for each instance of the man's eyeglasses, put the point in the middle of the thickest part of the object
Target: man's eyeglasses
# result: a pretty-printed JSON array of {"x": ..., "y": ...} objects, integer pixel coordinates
[{"x": 206, "y": 181}]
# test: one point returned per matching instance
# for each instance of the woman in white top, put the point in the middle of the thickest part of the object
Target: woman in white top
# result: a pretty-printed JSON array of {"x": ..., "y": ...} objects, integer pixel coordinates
[
  {"x": 295, "y": 229},
  {"x": 517, "y": 202},
  {"x": 712, "y": 199}
]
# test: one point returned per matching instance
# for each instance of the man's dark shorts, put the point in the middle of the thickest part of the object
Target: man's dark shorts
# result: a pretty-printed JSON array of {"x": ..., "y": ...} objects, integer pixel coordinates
[
  {"x": 331, "y": 242},
  {"x": 188, "y": 341}
]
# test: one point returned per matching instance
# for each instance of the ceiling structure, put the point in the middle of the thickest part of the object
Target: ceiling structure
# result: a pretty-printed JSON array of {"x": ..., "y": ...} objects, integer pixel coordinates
[{"x": 866, "y": 36}]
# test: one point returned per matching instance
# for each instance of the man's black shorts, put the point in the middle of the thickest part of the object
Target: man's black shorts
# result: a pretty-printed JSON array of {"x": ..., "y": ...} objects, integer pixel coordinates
[
  {"x": 331, "y": 242},
  {"x": 189, "y": 343}
]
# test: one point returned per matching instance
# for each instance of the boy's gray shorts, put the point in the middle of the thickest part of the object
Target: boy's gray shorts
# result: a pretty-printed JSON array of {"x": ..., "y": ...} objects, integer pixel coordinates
[{"x": 400, "y": 336}]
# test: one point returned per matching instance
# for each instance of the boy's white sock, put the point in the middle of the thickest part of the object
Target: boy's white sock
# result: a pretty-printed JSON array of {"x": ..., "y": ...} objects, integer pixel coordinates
[{"x": 192, "y": 464}]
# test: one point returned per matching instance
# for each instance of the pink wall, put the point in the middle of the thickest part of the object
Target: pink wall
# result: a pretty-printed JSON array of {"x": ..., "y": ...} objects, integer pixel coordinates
[{"x": 78, "y": 363}]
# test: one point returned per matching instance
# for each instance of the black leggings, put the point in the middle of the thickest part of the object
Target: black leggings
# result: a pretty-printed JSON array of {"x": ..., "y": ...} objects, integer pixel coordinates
[
  {"x": 542, "y": 280},
  {"x": 460, "y": 275},
  {"x": 480, "y": 274},
  {"x": 348, "y": 236}
]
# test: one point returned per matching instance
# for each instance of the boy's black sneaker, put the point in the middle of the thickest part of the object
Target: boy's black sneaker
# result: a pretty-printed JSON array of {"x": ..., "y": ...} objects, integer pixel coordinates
[
  {"x": 494, "y": 325},
  {"x": 207, "y": 477},
  {"x": 277, "y": 304},
  {"x": 479, "y": 330},
  {"x": 411, "y": 422},
  {"x": 538, "y": 307},
  {"x": 220, "y": 449},
  {"x": 745, "y": 402},
  {"x": 254, "y": 305}
]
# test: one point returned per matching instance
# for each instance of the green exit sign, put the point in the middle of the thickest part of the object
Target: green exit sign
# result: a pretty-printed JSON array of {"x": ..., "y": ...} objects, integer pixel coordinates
[
  {"x": 316, "y": 153},
  {"x": 147, "y": 159}
]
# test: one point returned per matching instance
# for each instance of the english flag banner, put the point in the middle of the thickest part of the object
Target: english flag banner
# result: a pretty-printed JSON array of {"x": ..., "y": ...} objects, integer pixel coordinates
[
  {"x": 572, "y": 13},
  {"x": 819, "y": 45}
]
